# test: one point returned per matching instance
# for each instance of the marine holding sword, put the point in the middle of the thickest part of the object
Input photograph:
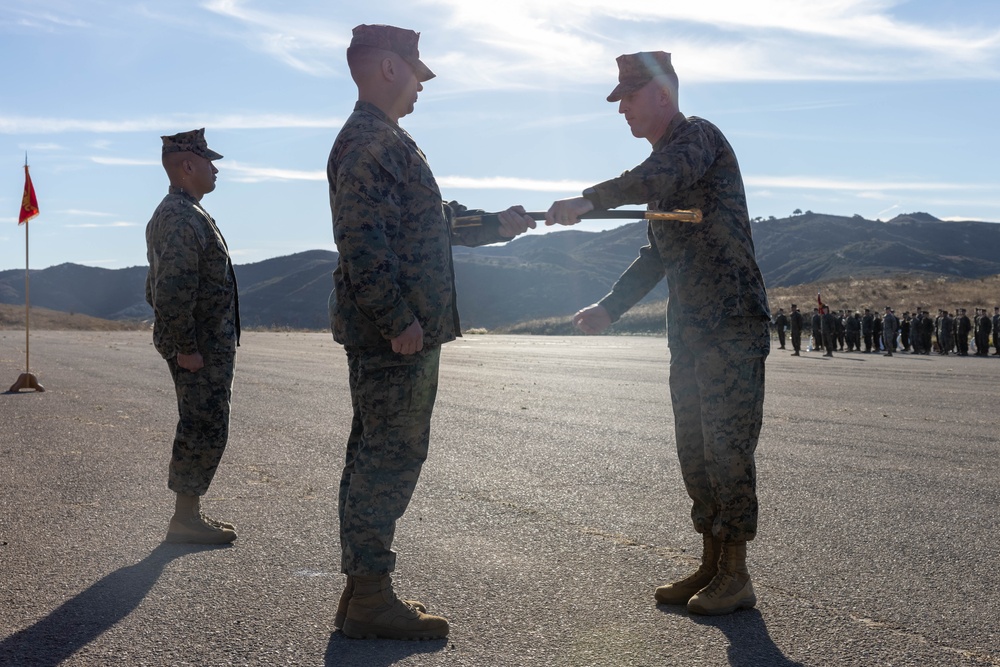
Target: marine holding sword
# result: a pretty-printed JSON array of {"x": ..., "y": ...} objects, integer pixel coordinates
[
  {"x": 394, "y": 307},
  {"x": 717, "y": 317}
]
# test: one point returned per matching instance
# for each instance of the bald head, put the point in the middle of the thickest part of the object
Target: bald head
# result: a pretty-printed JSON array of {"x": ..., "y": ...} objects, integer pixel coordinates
[
  {"x": 385, "y": 79},
  {"x": 173, "y": 161},
  {"x": 365, "y": 63},
  {"x": 190, "y": 172}
]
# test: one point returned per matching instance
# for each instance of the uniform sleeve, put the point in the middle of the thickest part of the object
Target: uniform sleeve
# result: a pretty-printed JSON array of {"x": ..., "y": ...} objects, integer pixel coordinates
[
  {"x": 470, "y": 236},
  {"x": 639, "y": 278},
  {"x": 365, "y": 211},
  {"x": 677, "y": 166},
  {"x": 173, "y": 285}
]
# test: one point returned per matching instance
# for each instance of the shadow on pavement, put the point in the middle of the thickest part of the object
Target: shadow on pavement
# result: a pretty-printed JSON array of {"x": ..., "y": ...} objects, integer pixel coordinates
[
  {"x": 87, "y": 616},
  {"x": 750, "y": 644},
  {"x": 346, "y": 652}
]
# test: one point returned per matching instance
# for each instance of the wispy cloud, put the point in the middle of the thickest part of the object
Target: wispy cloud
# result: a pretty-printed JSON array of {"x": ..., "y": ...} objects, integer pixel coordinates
[
  {"x": 250, "y": 174},
  {"x": 41, "y": 147},
  {"x": 45, "y": 21},
  {"x": 244, "y": 173},
  {"x": 89, "y": 214},
  {"x": 520, "y": 44},
  {"x": 125, "y": 162},
  {"x": 724, "y": 40},
  {"x": 510, "y": 183},
  {"x": 821, "y": 183},
  {"x": 94, "y": 225},
  {"x": 301, "y": 42},
  {"x": 42, "y": 125}
]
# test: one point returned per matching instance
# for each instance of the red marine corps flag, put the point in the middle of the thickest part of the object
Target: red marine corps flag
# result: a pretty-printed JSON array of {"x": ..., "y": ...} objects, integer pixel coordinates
[
  {"x": 29, "y": 209},
  {"x": 29, "y": 203}
]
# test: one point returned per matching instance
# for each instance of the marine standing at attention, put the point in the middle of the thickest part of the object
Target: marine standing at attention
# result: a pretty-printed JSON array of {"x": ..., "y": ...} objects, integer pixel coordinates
[
  {"x": 191, "y": 286},
  {"x": 394, "y": 306},
  {"x": 795, "y": 324},
  {"x": 717, "y": 317}
]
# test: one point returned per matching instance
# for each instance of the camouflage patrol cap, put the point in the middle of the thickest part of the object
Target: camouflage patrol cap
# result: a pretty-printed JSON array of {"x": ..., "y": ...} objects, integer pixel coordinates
[
  {"x": 400, "y": 41},
  {"x": 193, "y": 141},
  {"x": 635, "y": 70}
]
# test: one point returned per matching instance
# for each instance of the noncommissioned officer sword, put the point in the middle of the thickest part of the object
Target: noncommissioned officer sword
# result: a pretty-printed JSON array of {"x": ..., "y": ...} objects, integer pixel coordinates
[{"x": 692, "y": 215}]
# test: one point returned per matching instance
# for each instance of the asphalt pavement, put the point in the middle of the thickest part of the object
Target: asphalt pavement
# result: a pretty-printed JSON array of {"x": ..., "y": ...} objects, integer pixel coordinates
[{"x": 549, "y": 509}]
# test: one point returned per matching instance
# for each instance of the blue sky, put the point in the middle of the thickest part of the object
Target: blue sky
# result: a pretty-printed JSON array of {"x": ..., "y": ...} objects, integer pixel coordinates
[{"x": 870, "y": 107}]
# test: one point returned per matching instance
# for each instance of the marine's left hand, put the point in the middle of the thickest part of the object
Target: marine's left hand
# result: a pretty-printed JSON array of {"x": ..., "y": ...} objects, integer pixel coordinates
[{"x": 514, "y": 222}]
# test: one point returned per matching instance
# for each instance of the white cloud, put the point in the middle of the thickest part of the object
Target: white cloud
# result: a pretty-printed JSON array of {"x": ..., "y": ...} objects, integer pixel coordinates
[
  {"x": 250, "y": 174},
  {"x": 821, "y": 183},
  {"x": 510, "y": 183},
  {"x": 109, "y": 225},
  {"x": 90, "y": 214},
  {"x": 46, "y": 21},
  {"x": 39, "y": 125},
  {"x": 125, "y": 162},
  {"x": 94, "y": 225},
  {"x": 304, "y": 43},
  {"x": 41, "y": 147},
  {"x": 519, "y": 44}
]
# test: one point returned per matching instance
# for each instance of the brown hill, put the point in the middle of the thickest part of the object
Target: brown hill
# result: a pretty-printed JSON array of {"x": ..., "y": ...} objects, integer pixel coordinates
[
  {"x": 901, "y": 292},
  {"x": 12, "y": 317}
]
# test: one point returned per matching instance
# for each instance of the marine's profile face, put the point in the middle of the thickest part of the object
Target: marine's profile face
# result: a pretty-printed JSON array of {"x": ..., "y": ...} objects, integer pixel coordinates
[
  {"x": 201, "y": 175},
  {"x": 409, "y": 86},
  {"x": 647, "y": 111}
]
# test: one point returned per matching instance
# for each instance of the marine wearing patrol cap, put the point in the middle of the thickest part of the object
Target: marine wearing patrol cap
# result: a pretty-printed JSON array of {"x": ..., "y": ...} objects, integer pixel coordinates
[
  {"x": 635, "y": 70},
  {"x": 400, "y": 41},
  {"x": 193, "y": 142}
]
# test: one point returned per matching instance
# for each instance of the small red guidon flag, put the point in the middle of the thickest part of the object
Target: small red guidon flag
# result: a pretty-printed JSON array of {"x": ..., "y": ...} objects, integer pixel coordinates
[{"x": 29, "y": 203}]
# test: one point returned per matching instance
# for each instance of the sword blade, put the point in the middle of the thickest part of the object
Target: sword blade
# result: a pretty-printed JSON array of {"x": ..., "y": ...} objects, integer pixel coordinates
[{"x": 693, "y": 215}]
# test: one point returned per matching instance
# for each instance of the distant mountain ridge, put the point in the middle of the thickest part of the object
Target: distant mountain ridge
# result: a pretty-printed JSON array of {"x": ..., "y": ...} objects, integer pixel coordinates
[{"x": 548, "y": 275}]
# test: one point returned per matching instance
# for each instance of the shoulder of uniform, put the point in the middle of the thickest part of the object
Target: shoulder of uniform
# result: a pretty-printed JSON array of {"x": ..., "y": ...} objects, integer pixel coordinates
[{"x": 175, "y": 214}]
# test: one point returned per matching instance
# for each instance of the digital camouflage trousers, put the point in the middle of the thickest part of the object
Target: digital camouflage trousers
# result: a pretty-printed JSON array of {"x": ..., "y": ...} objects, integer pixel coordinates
[
  {"x": 717, "y": 392},
  {"x": 203, "y": 402},
  {"x": 393, "y": 397}
]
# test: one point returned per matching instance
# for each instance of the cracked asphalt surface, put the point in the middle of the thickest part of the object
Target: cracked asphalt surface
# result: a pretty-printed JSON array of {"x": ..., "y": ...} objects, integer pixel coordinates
[{"x": 550, "y": 508}]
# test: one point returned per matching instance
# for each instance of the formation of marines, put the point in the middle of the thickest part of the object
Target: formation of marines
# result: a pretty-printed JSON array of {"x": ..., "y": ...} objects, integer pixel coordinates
[{"x": 915, "y": 332}]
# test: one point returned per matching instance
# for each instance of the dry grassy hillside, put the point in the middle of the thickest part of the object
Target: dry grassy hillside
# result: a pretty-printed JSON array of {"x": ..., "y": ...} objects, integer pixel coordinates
[
  {"x": 12, "y": 317},
  {"x": 902, "y": 293}
]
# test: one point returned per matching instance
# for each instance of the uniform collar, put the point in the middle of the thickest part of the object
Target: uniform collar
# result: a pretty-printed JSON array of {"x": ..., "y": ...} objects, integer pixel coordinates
[
  {"x": 368, "y": 107},
  {"x": 675, "y": 122},
  {"x": 174, "y": 190}
]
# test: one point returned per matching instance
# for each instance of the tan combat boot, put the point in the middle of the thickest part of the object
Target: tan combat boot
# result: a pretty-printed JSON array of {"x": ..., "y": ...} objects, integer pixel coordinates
[
  {"x": 375, "y": 612},
  {"x": 731, "y": 588},
  {"x": 681, "y": 591},
  {"x": 190, "y": 526},
  {"x": 345, "y": 598}
]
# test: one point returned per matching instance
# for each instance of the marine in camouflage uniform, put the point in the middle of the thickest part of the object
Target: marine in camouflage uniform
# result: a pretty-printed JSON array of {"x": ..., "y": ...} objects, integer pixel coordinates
[
  {"x": 394, "y": 277},
  {"x": 192, "y": 288},
  {"x": 717, "y": 317}
]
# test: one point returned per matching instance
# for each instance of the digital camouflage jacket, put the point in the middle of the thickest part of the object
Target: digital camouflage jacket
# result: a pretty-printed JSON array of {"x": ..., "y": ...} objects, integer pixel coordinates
[
  {"x": 394, "y": 237},
  {"x": 191, "y": 284},
  {"x": 710, "y": 267}
]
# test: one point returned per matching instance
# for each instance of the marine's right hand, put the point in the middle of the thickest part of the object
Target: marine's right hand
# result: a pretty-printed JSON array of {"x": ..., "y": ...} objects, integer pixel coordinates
[
  {"x": 592, "y": 319},
  {"x": 410, "y": 341},
  {"x": 190, "y": 362},
  {"x": 568, "y": 211}
]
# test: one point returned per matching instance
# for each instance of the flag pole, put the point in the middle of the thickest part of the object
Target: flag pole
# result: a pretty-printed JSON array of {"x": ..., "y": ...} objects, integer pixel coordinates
[{"x": 27, "y": 379}]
